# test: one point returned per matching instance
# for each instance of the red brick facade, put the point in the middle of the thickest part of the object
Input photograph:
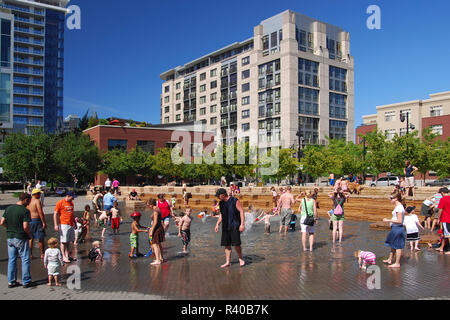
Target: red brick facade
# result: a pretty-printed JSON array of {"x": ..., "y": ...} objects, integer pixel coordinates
[
  {"x": 102, "y": 134},
  {"x": 441, "y": 120},
  {"x": 363, "y": 130}
]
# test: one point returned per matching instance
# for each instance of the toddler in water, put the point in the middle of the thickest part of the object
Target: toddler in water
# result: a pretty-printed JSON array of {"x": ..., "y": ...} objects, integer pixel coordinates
[
  {"x": 365, "y": 258},
  {"x": 266, "y": 218},
  {"x": 103, "y": 220},
  {"x": 53, "y": 261},
  {"x": 184, "y": 229},
  {"x": 95, "y": 254},
  {"x": 116, "y": 218},
  {"x": 136, "y": 228},
  {"x": 80, "y": 231},
  {"x": 412, "y": 225}
]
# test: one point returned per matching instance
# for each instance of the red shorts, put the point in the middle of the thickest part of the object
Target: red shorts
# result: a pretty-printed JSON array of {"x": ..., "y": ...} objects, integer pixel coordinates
[{"x": 115, "y": 223}]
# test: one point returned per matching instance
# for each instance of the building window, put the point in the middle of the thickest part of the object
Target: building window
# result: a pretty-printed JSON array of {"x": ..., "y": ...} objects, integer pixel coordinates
[
  {"x": 178, "y": 117},
  {"x": 166, "y": 109},
  {"x": 178, "y": 86},
  {"x": 203, "y": 76},
  {"x": 334, "y": 49},
  {"x": 213, "y": 73},
  {"x": 166, "y": 120},
  {"x": 308, "y": 101},
  {"x": 245, "y": 61},
  {"x": 213, "y": 121},
  {"x": 437, "y": 129},
  {"x": 117, "y": 145},
  {"x": 178, "y": 107},
  {"x": 245, "y": 114},
  {"x": 245, "y": 74},
  {"x": 178, "y": 96},
  {"x": 167, "y": 99},
  {"x": 203, "y": 100},
  {"x": 214, "y": 84},
  {"x": 338, "y": 106},
  {"x": 213, "y": 109},
  {"x": 202, "y": 111},
  {"x": 338, "y": 79},
  {"x": 390, "y": 134},
  {"x": 308, "y": 73},
  {"x": 245, "y": 127},
  {"x": 389, "y": 116},
  {"x": 245, "y": 87},
  {"x": 338, "y": 129},
  {"x": 245, "y": 101},
  {"x": 203, "y": 88},
  {"x": 166, "y": 89},
  {"x": 146, "y": 146},
  {"x": 213, "y": 96},
  {"x": 436, "y": 111},
  {"x": 305, "y": 41}
]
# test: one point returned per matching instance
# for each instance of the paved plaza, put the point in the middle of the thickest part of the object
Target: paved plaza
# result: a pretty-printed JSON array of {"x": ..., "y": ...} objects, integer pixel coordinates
[{"x": 276, "y": 268}]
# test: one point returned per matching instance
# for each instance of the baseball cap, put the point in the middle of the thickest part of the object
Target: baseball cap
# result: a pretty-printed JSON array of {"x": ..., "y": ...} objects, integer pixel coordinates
[
  {"x": 36, "y": 191},
  {"x": 443, "y": 190},
  {"x": 71, "y": 194},
  {"x": 410, "y": 209},
  {"x": 220, "y": 192}
]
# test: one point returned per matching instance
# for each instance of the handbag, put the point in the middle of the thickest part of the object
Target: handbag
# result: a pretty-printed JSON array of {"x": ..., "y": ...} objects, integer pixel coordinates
[{"x": 309, "y": 221}]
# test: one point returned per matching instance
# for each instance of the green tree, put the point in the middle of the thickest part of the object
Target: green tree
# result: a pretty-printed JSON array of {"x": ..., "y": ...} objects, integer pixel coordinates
[
  {"x": 319, "y": 161},
  {"x": 441, "y": 159},
  {"x": 163, "y": 164},
  {"x": 288, "y": 165},
  {"x": 77, "y": 157},
  {"x": 115, "y": 164}
]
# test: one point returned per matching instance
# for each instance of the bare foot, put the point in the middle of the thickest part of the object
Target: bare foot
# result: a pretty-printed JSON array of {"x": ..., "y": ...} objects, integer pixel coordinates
[
  {"x": 58, "y": 284},
  {"x": 241, "y": 262},
  {"x": 49, "y": 284},
  {"x": 448, "y": 253},
  {"x": 418, "y": 249},
  {"x": 440, "y": 250},
  {"x": 387, "y": 261},
  {"x": 156, "y": 263},
  {"x": 226, "y": 265},
  {"x": 394, "y": 266}
]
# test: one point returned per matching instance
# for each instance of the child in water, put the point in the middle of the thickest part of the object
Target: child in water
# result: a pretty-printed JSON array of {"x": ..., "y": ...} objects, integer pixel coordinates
[
  {"x": 136, "y": 228},
  {"x": 184, "y": 229},
  {"x": 53, "y": 261},
  {"x": 103, "y": 220},
  {"x": 266, "y": 218},
  {"x": 116, "y": 218},
  {"x": 293, "y": 221},
  {"x": 365, "y": 258}
]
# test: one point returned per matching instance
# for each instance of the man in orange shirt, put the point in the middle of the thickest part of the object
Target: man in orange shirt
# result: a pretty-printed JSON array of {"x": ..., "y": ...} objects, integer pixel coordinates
[{"x": 64, "y": 221}]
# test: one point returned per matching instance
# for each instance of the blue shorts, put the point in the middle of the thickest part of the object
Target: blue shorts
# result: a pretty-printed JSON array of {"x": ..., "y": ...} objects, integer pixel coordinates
[
  {"x": 36, "y": 229},
  {"x": 107, "y": 207},
  {"x": 332, "y": 182},
  {"x": 165, "y": 219}
]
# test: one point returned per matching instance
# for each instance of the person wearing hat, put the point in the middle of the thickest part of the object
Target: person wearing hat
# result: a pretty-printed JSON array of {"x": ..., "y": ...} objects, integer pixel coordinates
[
  {"x": 37, "y": 224},
  {"x": 444, "y": 217},
  {"x": 136, "y": 228},
  {"x": 64, "y": 221},
  {"x": 232, "y": 218},
  {"x": 412, "y": 226}
]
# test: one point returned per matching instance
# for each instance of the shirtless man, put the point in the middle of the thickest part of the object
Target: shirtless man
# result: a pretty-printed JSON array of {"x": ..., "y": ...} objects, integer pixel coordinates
[
  {"x": 98, "y": 203},
  {"x": 285, "y": 209},
  {"x": 37, "y": 225}
]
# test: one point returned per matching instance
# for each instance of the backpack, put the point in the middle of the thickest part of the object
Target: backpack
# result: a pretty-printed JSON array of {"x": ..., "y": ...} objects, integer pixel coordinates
[
  {"x": 338, "y": 211},
  {"x": 93, "y": 254}
]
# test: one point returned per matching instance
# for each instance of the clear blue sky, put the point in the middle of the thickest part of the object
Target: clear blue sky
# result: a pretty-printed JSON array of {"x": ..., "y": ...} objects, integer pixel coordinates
[{"x": 113, "y": 63}]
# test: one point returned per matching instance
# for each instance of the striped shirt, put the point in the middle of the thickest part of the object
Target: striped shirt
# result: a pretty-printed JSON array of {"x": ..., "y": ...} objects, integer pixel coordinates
[{"x": 368, "y": 257}]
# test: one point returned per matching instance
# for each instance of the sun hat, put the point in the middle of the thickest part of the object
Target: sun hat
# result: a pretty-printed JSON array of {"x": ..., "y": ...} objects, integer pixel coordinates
[{"x": 36, "y": 191}]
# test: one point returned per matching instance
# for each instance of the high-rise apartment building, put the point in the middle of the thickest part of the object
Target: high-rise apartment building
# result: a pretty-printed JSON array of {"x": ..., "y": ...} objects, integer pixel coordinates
[
  {"x": 34, "y": 61},
  {"x": 295, "y": 75}
]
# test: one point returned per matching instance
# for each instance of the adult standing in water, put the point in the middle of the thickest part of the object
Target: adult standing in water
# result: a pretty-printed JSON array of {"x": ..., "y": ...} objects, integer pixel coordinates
[
  {"x": 156, "y": 232},
  {"x": 285, "y": 209},
  {"x": 166, "y": 211},
  {"x": 397, "y": 237},
  {"x": 232, "y": 218},
  {"x": 338, "y": 218},
  {"x": 37, "y": 224}
]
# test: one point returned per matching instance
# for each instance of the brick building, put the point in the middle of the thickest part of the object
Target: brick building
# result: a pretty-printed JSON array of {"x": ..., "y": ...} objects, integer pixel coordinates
[{"x": 149, "y": 139}]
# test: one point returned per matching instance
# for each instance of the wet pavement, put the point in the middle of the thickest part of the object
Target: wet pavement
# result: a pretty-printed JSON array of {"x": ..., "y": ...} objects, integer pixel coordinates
[{"x": 276, "y": 268}]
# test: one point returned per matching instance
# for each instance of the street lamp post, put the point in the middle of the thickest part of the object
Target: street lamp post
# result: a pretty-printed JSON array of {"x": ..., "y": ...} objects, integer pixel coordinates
[
  {"x": 404, "y": 118},
  {"x": 301, "y": 139}
]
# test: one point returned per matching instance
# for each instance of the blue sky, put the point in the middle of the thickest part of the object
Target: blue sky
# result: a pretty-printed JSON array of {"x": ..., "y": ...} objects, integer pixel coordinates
[{"x": 113, "y": 63}]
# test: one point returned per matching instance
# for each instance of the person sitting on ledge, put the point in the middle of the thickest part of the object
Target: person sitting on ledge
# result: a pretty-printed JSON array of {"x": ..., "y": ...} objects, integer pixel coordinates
[{"x": 133, "y": 196}]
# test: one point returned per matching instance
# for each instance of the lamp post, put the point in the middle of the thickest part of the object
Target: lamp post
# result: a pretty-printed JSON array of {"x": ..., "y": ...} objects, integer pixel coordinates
[
  {"x": 301, "y": 140},
  {"x": 404, "y": 118}
]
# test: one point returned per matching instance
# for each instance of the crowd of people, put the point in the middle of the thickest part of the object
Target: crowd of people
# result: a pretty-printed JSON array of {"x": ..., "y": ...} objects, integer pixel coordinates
[{"x": 25, "y": 222}]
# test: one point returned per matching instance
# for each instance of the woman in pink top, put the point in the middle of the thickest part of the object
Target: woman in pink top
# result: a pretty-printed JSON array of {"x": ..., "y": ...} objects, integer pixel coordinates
[{"x": 115, "y": 186}]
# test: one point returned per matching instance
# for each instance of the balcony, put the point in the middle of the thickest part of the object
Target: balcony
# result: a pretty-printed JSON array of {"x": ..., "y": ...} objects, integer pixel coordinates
[
  {"x": 269, "y": 84},
  {"x": 233, "y": 69},
  {"x": 233, "y": 108},
  {"x": 224, "y": 73},
  {"x": 224, "y": 84},
  {"x": 192, "y": 95},
  {"x": 224, "y": 110},
  {"x": 233, "y": 95},
  {"x": 224, "y": 98}
]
